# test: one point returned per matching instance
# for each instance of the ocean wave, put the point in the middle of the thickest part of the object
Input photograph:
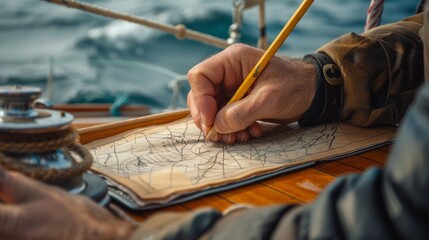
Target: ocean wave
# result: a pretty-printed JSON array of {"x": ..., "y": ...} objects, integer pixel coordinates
[
  {"x": 97, "y": 58},
  {"x": 18, "y": 15},
  {"x": 120, "y": 39}
]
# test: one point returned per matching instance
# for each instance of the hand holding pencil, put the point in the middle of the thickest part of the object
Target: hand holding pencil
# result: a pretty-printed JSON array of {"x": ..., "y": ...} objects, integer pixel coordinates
[{"x": 282, "y": 92}]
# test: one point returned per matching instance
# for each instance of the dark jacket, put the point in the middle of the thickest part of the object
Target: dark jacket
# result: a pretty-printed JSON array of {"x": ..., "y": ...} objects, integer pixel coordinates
[{"x": 382, "y": 70}]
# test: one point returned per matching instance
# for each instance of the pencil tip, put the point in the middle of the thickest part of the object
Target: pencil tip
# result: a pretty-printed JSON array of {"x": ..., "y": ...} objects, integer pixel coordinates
[{"x": 211, "y": 134}]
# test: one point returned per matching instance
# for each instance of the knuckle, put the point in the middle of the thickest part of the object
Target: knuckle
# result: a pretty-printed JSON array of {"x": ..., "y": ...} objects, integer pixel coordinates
[
  {"x": 238, "y": 48},
  {"x": 193, "y": 74}
]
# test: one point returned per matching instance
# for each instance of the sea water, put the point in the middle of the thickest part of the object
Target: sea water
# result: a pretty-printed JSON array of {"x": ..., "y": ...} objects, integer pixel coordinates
[{"x": 96, "y": 59}]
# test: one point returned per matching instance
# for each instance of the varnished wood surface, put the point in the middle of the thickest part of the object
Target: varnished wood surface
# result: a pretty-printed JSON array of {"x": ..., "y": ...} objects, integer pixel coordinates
[
  {"x": 297, "y": 187},
  {"x": 90, "y": 133}
]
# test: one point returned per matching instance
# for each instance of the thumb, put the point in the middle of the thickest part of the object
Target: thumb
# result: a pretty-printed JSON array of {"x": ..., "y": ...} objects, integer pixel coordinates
[{"x": 236, "y": 116}]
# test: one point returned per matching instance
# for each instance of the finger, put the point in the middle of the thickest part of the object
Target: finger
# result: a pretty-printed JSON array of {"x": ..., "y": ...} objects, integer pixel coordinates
[
  {"x": 204, "y": 92},
  {"x": 16, "y": 188},
  {"x": 193, "y": 110},
  {"x": 204, "y": 103},
  {"x": 220, "y": 74},
  {"x": 255, "y": 130},
  {"x": 9, "y": 222},
  {"x": 228, "y": 138},
  {"x": 243, "y": 136},
  {"x": 238, "y": 115},
  {"x": 224, "y": 65}
]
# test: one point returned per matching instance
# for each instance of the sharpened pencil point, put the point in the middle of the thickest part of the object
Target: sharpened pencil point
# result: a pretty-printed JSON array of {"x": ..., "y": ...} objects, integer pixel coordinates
[{"x": 212, "y": 133}]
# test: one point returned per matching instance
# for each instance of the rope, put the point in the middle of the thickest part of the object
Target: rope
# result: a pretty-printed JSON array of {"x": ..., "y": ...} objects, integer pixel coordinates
[
  {"x": 263, "y": 40},
  {"x": 179, "y": 31},
  {"x": 374, "y": 13},
  {"x": 21, "y": 147},
  {"x": 51, "y": 174},
  {"x": 17, "y": 143}
]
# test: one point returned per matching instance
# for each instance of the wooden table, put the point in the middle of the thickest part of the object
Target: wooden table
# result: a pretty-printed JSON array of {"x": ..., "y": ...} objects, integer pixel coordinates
[{"x": 300, "y": 186}]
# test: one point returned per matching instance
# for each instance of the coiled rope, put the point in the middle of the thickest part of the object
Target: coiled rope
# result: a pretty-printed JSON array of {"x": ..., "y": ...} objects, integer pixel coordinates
[{"x": 65, "y": 140}]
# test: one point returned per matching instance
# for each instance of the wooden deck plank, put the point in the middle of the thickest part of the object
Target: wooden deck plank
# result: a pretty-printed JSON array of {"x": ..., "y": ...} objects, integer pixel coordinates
[
  {"x": 386, "y": 148},
  {"x": 335, "y": 168},
  {"x": 213, "y": 201},
  {"x": 258, "y": 195},
  {"x": 303, "y": 184},
  {"x": 360, "y": 163},
  {"x": 376, "y": 155}
]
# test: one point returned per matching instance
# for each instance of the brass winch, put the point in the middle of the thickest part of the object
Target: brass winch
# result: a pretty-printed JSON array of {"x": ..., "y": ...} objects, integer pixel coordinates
[{"x": 42, "y": 144}]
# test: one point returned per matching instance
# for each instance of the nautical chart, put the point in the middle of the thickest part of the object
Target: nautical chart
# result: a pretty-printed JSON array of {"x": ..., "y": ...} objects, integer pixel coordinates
[{"x": 161, "y": 161}]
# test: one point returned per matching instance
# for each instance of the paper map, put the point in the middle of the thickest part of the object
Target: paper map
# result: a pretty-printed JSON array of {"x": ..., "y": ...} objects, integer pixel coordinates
[{"x": 163, "y": 161}]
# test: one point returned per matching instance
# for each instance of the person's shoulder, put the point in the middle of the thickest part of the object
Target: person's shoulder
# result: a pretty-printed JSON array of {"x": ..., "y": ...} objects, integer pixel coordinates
[{"x": 418, "y": 18}]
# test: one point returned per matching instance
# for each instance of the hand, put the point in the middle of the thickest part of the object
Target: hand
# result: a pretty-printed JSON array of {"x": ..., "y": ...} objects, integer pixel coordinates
[
  {"x": 33, "y": 210},
  {"x": 282, "y": 93}
]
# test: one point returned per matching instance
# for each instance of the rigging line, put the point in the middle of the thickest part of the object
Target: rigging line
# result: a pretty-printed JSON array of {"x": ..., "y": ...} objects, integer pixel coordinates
[
  {"x": 263, "y": 39},
  {"x": 375, "y": 11},
  {"x": 179, "y": 30}
]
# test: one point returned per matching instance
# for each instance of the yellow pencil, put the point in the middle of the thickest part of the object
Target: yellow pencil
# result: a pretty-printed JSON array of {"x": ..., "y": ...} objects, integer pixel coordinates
[{"x": 265, "y": 59}]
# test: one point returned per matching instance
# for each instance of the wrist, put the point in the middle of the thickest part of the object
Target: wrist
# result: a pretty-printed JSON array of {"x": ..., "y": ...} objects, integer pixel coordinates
[
  {"x": 309, "y": 81},
  {"x": 328, "y": 95},
  {"x": 303, "y": 88}
]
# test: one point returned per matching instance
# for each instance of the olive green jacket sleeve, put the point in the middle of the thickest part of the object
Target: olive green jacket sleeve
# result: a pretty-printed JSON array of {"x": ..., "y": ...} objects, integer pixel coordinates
[{"x": 381, "y": 69}]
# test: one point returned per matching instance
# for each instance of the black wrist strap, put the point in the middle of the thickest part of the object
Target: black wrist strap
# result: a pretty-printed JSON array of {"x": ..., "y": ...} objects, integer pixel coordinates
[{"x": 328, "y": 100}]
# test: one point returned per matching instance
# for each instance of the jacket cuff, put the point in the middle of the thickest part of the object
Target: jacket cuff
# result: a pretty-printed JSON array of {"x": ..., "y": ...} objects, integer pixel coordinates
[{"x": 328, "y": 100}]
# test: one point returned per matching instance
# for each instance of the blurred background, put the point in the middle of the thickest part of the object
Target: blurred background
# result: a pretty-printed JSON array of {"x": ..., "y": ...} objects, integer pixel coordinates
[{"x": 99, "y": 60}]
